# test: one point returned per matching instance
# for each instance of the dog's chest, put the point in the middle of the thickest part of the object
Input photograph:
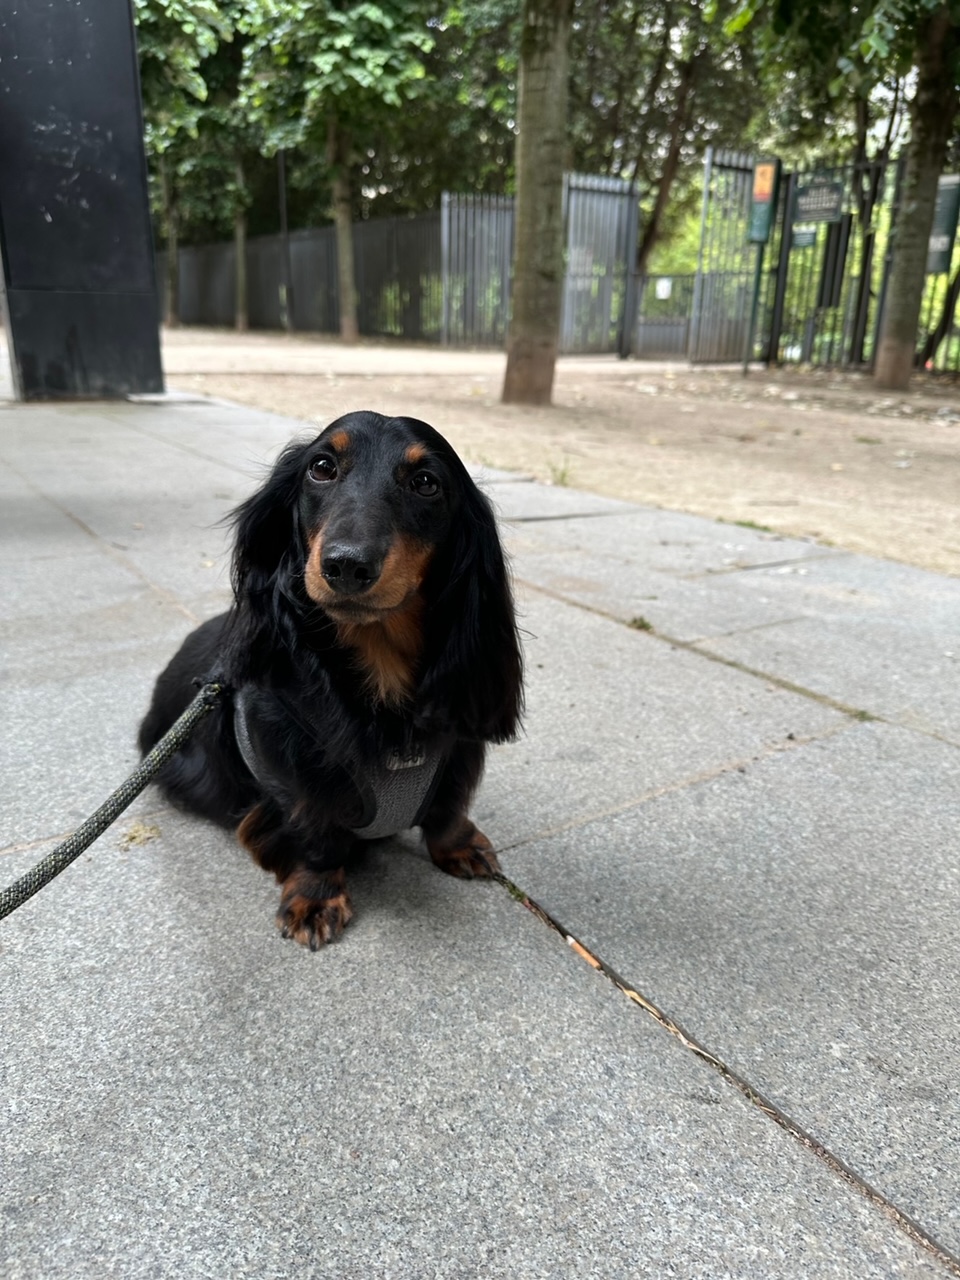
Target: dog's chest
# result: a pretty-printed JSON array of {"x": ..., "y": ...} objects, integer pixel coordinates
[{"x": 395, "y": 786}]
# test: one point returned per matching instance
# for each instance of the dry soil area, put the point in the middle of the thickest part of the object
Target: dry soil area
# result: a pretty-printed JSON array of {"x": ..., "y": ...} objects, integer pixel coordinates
[{"x": 818, "y": 455}]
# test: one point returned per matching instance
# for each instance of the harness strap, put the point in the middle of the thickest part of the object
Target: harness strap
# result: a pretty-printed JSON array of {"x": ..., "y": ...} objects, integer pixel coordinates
[{"x": 395, "y": 790}]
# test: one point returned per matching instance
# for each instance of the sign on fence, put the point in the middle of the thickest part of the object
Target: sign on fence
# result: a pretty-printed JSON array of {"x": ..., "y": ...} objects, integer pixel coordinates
[
  {"x": 763, "y": 201},
  {"x": 819, "y": 201}
]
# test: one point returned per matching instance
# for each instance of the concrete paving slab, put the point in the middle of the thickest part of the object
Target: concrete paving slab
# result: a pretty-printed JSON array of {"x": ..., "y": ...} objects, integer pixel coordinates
[
  {"x": 614, "y": 715},
  {"x": 527, "y": 500},
  {"x": 193, "y": 1099},
  {"x": 603, "y": 578},
  {"x": 67, "y": 742},
  {"x": 680, "y": 573},
  {"x": 187, "y": 1094},
  {"x": 799, "y": 917},
  {"x": 884, "y": 637},
  {"x": 32, "y": 528},
  {"x": 872, "y": 635},
  {"x": 159, "y": 508},
  {"x": 666, "y": 542}
]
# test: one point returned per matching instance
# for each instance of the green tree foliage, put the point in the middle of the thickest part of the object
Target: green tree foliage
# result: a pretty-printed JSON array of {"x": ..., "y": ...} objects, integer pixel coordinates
[
  {"x": 459, "y": 133},
  {"x": 856, "y": 49},
  {"x": 322, "y": 77},
  {"x": 383, "y": 104},
  {"x": 654, "y": 83},
  {"x": 174, "y": 39}
]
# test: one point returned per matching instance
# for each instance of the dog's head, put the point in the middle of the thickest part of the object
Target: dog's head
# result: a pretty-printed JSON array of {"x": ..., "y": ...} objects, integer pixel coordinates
[{"x": 378, "y": 523}]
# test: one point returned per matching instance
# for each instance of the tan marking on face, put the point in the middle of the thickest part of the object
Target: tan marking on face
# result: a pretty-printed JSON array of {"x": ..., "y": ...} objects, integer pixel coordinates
[
  {"x": 383, "y": 626},
  {"x": 387, "y": 651},
  {"x": 340, "y": 441},
  {"x": 313, "y": 579},
  {"x": 415, "y": 453},
  {"x": 404, "y": 569}
]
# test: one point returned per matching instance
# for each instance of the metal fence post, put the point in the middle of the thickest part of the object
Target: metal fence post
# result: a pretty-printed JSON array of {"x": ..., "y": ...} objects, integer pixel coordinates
[
  {"x": 445, "y": 268},
  {"x": 783, "y": 263},
  {"x": 631, "y": 295}
]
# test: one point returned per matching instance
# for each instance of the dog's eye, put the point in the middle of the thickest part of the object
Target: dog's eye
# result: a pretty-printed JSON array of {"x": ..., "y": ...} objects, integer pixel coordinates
[
  {"x": 425, "y": 484},
  {"x": 322, "y": 469}
]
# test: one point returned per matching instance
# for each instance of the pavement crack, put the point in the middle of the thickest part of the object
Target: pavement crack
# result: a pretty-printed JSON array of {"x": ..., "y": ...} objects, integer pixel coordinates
[
  {"x": 671, "y": 788},
  {"x": 790, "y": 563},
  {"x": 565, "y": 515},
  {"x": 694, "y": 646},
  {"x": 899, "y": 1217},
  {"x": 744, "y": 631}
]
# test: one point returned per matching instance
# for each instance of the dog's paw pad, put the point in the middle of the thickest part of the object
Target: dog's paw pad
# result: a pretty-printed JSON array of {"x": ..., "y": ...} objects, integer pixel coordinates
[
  {"x": 314, "y": 910},
  {"x": 470, "y": 856}
]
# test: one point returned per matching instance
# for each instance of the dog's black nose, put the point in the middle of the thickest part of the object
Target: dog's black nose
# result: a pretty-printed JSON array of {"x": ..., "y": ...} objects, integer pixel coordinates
[{"x": 348, "y": 570}]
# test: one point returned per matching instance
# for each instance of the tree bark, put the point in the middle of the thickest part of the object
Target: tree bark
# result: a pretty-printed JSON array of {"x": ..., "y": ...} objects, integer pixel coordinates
[
  {"x": 338, "y": 157},
  {"x": 932, "y": 113},
  {"x": 241, "y": 313},
  {"x": 534, "y": 334}
]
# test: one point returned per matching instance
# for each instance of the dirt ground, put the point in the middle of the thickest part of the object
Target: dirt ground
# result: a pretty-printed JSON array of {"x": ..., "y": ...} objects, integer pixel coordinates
[{"x": 812, "y": 454}]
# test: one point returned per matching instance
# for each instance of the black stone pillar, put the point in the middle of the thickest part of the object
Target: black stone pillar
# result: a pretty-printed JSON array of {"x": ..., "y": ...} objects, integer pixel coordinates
[{"x": 80, "y": 291}]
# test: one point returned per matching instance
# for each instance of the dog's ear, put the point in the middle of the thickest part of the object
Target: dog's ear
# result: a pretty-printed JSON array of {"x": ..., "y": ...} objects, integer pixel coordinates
[
  {"x": 472, "y": 681},
  {"x": 267, "y": 533}
]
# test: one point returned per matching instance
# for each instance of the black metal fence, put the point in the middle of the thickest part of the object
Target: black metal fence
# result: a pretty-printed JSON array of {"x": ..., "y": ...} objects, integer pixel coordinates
[
  {"x": 445, "y": 276},
  {"x": 477, "y": 251},
  {"x": 436, "y": 277},
  {"x": 827, "y": 284},
  {"x": 825, "y": 269},
  {"x": 601, "y": 221}
]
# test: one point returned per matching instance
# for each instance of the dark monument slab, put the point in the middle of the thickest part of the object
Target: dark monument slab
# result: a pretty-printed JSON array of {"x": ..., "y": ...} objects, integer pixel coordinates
[{"x": 81, "y": 307}]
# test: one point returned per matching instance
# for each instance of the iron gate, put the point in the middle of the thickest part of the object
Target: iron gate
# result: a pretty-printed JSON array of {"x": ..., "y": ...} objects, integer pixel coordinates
[
  {"x": 722, "y": 291},
  {"x": 824, "y": 268}
]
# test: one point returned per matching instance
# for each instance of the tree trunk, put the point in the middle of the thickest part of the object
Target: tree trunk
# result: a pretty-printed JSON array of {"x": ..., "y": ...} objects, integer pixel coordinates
[
  {"x": 338, "y": 157},
  {"x": 171, "y": 220},
  {"x": 931, "y": 118},
  {"x": 538, "y": 254},
  {"x": 241, "y": 314}
]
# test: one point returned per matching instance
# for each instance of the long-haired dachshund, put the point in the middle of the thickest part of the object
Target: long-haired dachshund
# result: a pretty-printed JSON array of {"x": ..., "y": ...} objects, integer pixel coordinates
[{"x": 371, "y": 654}]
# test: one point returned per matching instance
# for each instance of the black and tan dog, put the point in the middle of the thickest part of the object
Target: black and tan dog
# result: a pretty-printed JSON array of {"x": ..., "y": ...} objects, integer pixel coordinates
[{"x": 371, "y": 654}]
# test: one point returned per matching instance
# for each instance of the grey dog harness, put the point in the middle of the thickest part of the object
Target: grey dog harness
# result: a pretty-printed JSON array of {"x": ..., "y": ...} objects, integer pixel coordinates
[{"x": 394, "y": 791}]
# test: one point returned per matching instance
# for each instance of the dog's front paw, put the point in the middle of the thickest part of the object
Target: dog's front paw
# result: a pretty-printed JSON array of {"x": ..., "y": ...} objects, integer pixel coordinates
[
  {"x": 464, "y": 852},
  {"x": 314, "y": 907}
]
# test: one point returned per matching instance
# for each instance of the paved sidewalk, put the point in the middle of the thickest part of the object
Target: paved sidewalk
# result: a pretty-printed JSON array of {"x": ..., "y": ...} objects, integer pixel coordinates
[{"x": 738, "y": 785}]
